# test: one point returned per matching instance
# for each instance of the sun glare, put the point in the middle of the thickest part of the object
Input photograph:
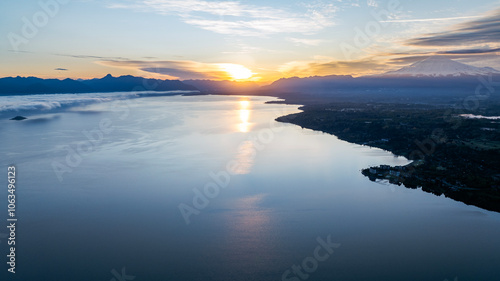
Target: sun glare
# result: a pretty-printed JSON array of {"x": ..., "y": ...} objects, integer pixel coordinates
[
  {"x": 236, "y": 71},
  {"x": 244, "y": 125}
]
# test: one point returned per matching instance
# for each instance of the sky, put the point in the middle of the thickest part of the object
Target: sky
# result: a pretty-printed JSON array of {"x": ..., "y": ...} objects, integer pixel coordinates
[{"x": 241, "y": 40}]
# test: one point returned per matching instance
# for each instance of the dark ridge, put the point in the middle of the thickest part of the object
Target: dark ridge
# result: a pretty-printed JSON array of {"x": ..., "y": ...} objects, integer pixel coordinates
[
  {"x": 18, "y": 118},
  {"x": 33, "y": 85}
]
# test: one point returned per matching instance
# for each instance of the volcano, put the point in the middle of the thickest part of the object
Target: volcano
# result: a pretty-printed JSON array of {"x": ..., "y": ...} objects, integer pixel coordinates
[{"x": 437, "y": 66}]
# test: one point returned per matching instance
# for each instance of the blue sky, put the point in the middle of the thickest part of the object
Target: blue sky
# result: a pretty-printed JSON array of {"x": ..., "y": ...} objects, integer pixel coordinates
[{"x": 255, "y": 40}]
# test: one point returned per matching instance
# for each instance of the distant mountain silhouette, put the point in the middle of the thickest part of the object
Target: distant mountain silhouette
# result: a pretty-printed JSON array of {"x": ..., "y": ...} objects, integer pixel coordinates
[
  {"x": 297, "y": 84},
  {"x": 34, "y": 85},
  {"x": 333, "y": 83},
  {"x": 439, "y": 66},
  {"x": 435, "y": 75},
  {"x": 398, "y": 88},
  {"x": 211, "y": 86}
]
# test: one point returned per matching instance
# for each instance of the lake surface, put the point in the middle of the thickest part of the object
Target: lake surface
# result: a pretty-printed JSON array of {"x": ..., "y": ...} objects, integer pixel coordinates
[{"x": 100, "y": 189}]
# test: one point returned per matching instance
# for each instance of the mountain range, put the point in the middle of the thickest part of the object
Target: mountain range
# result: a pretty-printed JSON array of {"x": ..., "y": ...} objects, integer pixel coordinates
[
  {"x": 34, "y": 85},
  {"x": 435, "y": 72}
]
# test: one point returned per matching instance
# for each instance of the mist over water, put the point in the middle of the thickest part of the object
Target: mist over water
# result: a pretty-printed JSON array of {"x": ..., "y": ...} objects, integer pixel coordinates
[
  {"x": 99, "y": 188},
  {"x": 46, "y": 102}
]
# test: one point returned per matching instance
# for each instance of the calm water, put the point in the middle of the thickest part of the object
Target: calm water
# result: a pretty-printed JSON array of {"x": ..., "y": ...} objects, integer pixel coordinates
[{"x": 91, "y": 210}]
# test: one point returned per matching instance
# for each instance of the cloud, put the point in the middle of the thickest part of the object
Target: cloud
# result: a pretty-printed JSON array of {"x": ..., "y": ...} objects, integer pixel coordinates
[
  {"x": 410, "y": 57},
  {"x": 306, "y": 41},
  {"x": 481, "y": 31},
  {"x": 229, "y": 8},
  {"x": 311, "y": 68},
  {"x": 235, "y": 18},
  {"x": 182, "y": 70},
  {"x": 434, "y": 19},
  {"x": 471, "y": 51},
  {"x": 405, "y": 60},
  {"x": 90, "y": 57},
  {"x": 372, "y": 3},
  {"x": 179, "y": 73},
  {"x": 61, "y": 69}
]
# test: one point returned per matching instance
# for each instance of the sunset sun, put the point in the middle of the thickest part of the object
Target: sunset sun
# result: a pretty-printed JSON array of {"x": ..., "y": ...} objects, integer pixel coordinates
[{"x": 236, "y": 71}]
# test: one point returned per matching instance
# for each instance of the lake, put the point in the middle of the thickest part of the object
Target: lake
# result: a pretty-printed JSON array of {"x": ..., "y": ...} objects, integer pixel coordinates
[{"x": 212, "y": 188}]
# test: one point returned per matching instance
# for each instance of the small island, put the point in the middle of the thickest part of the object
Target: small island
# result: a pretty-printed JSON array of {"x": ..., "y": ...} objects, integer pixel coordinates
[{"x": 18, "y": 118}]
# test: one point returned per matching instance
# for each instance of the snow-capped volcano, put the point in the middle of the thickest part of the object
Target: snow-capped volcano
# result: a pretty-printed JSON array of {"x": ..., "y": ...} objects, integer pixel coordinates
[{"x": 441, "y": 66}]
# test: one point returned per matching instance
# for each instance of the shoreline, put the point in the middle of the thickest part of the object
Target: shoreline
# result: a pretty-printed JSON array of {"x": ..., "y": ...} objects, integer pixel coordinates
[
  {"x": 447, "y": 166},
  {"x": 443, "y": 171}
]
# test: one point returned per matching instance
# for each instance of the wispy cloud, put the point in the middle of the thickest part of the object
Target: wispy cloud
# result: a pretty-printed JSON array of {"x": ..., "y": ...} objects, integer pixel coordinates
[
  {"x": 306, "y": 41},
  {"x": 332, "y": 67},
  {"x": 61, "y": 69},
  {"x": 183, "y": 70},
  {"x": 90, "y": 57},
  {"x": 482, "y": 31},
  {"x": 235, "y": 18},
  {"x": 484, "y": 56},
  {"x": 433, "y": 19},
  {"x": 372, "y": 3},
  {"x": 452, "y": 52},
  {"x": 471, "y": 51}
]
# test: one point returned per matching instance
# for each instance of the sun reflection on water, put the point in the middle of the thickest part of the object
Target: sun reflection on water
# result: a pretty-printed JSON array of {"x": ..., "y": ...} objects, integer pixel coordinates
[
  {"x": 244, "y": 111},
  {"x": 245, "y": 158}
]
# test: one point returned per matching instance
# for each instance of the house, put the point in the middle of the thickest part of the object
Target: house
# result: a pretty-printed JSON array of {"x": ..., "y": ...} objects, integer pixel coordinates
[{"x": 395, "y": 173}]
